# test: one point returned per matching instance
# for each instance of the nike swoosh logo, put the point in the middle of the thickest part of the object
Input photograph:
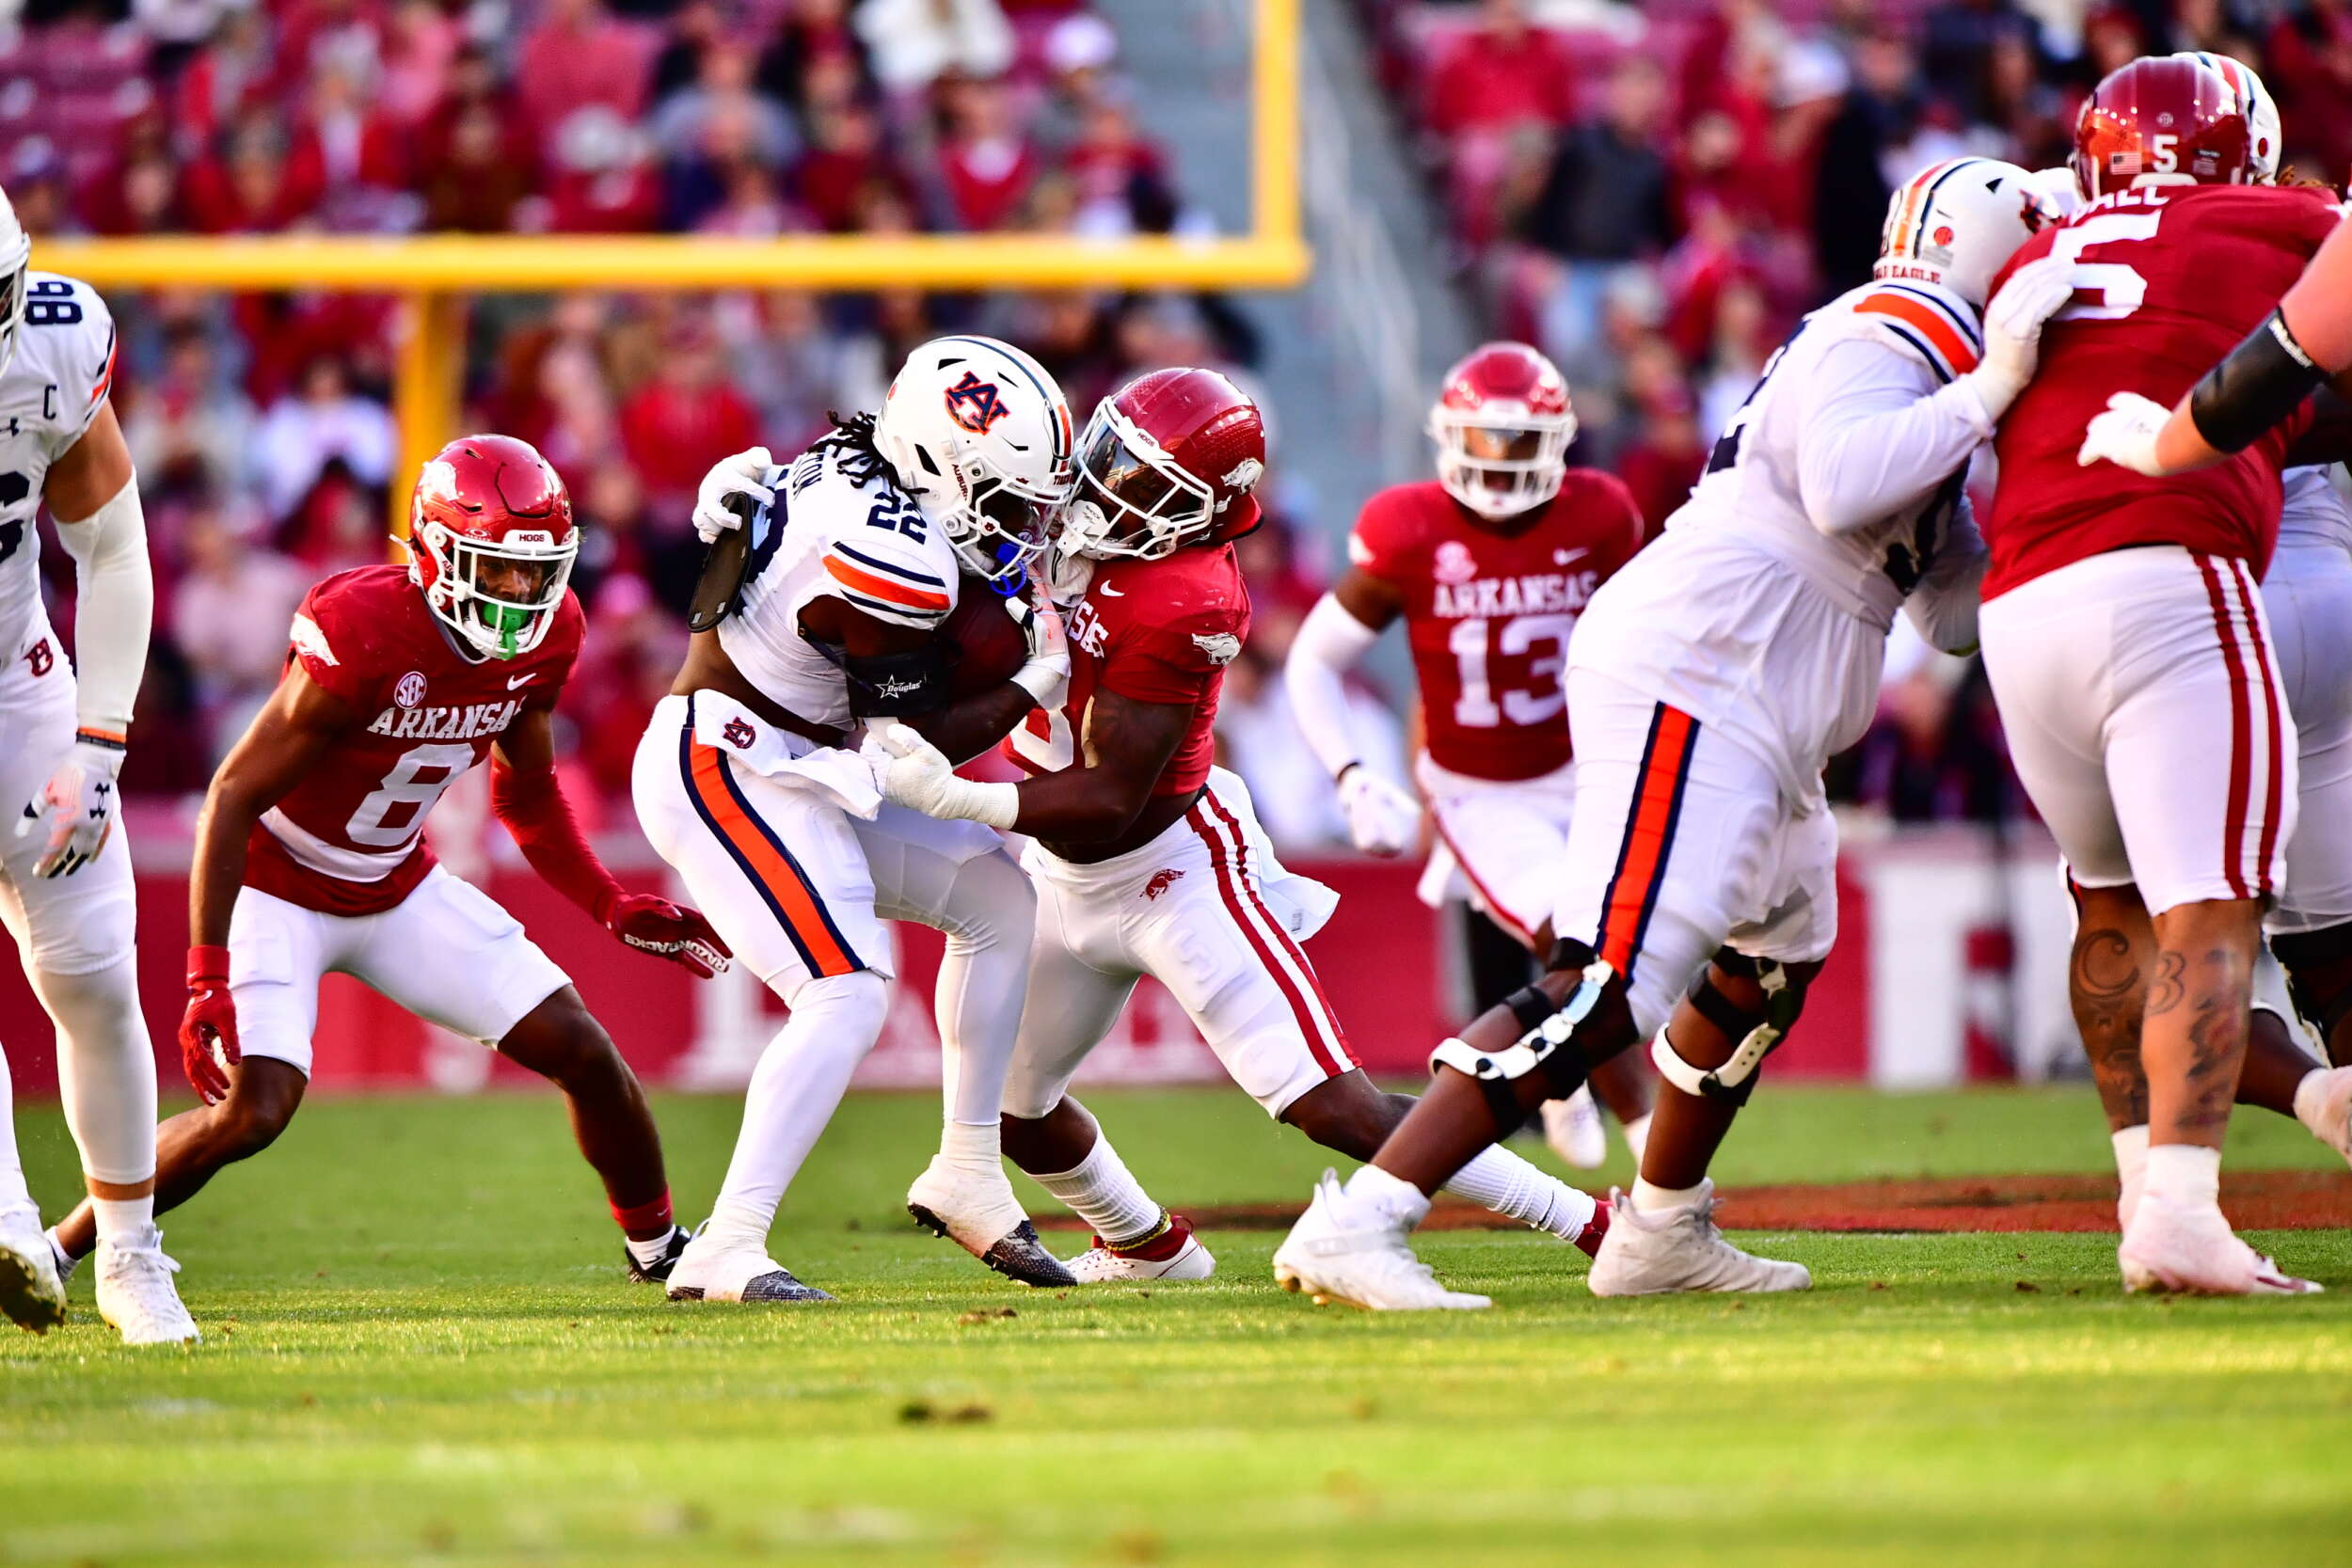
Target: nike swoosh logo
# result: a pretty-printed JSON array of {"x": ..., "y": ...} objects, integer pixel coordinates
[
  {"x": 1568, "y": 558},
  {"x": 1109, "y": 592},
  {"x": 524, "y": 679}
]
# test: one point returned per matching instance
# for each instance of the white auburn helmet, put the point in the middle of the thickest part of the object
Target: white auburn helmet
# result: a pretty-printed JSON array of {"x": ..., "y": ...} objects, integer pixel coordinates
[
  {"x": 2263, "y": 130},
  {"x": 979, "y": 435},
  {"x": 16, "y": 254},
  {"x": 1958, "y": 222}
]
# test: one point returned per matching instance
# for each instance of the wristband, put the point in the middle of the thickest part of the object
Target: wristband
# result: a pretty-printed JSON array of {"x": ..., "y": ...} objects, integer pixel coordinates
[{"x": 207, "y": 967}]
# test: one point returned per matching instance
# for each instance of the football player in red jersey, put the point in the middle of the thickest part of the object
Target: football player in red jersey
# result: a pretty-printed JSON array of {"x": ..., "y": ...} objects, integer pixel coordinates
[
  {"x": 310, "y": 858},
  {"x": 1149, "y": 859},
  {"x": 2124, "y": 636},
  {"x": 1489, "y": 565}
]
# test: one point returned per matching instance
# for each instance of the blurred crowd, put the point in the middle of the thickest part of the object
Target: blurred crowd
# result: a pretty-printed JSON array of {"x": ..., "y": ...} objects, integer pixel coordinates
[
  {"x": 1652, "y": 192},
  {"x": 1655, "y": 193}
]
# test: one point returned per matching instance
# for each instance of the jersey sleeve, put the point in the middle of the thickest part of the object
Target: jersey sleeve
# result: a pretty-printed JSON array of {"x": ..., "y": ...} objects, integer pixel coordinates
[
  {"x": 566, "y": 638},
  {"x": 1177, "y": 658},
  {"x": 69, "y": 339},
  {"x": 1381, "y": 544},
  {"x": 1616, "y": 518},
  {"x": 329, "y": 642},
  {"x": 886, "y": 559}
]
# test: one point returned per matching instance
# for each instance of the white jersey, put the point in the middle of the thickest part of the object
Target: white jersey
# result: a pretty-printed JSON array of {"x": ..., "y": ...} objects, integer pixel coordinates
[
  {"x": 840, "y": 527},
  {"x": 1835, "y": 497},
  {"x": 51, "y": 390}
]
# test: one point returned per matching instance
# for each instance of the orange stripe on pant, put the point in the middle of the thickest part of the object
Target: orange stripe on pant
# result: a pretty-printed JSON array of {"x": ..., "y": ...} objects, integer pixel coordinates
[
  {"x": 788, "y": 894},
  {"x": 1648, "y": 836}
]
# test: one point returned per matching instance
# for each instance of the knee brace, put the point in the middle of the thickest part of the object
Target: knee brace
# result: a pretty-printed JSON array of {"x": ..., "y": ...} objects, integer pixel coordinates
[
  {"x": 2301, "y": 956},
  {"x": 1545, "y": 1027},
  {"x": 1758, "y": 1031}
]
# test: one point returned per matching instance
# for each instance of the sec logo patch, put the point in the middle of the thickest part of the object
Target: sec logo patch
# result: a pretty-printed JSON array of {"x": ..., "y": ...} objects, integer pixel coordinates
[{"x": 411, "y": 689}]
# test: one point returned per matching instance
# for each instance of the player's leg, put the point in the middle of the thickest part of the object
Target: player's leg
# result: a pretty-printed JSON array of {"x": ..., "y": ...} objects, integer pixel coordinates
[
  {"x": 956, "y": 878},
  {"x": 777, "y": 870},
  {"x": 32, "y": 1296}
]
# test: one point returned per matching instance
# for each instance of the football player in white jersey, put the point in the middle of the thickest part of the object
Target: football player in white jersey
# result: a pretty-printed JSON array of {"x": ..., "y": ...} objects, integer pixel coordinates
[
  {"x": 65, "y": 871},
  {"x": 747, "y": 781},
  {"x": 1709, "y": 681}
]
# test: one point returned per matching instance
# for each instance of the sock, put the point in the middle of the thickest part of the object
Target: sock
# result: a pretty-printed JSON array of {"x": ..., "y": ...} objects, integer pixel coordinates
[
  {"x": 2187, "y": 1175},
  {"x": 1101, "y": 1190},
  {"x": 649, "y": 1252},
  {"x": 1392, "y": 1197},
  {"x": 1637, "y": 1136},
  {"x": 1509, "y": 1185},
  {"x": 2309, "y": 1103},
  {"x": 650, "y": 1223},
  {"x": 1648, "y": 1198},
  {"x": 974, "y": 1144},
  {"x": 13, "y": 1193},
  {"x": 124, "y": 1221},
  {"x": 66, "y": 1263},
  {"x": 2131, "y": 1170}
]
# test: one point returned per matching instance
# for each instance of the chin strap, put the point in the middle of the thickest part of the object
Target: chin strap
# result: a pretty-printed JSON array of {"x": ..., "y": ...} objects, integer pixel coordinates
[{"x": 1545, "y": 1029}]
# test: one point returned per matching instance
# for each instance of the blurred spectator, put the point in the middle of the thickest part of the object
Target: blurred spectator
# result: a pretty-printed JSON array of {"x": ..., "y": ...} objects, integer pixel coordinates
[
  {"x": 1603, "y": 206},
  {"x": 985, "y": 162},
  {"x": 189, "y": 427},
  {"x": 579, "y": 60},
  {"x": 913, "y": 43},
  {"x": 686, "y": 417},
  {"x": 319, "y": 422},
  {"x": 229, "y": 614},
  {"x": 1499, "y": 73}
]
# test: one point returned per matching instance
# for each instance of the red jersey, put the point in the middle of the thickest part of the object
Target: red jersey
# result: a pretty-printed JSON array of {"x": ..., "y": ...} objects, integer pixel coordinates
[
  {"x": 1488, "y": 613},
  {"x": 1152, "y": 631},
  {"x": 2170, "y": 280},
  {"x": 348, "y": 839}
]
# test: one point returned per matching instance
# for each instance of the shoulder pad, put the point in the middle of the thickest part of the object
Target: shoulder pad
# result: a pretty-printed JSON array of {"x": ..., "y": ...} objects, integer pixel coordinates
[
  {"x": 67, "y": 342},
  {"x": 1925, "y": 318}
]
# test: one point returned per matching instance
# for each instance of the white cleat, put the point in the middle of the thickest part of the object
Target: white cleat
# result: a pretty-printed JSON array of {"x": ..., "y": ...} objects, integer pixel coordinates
[
  {"x": 1573, "y": 1128},
  {"x": 1339, "y": 1252},
  {"x": 974, "y": 1207},
  {"x": 2170, "y": 1247},
  {"x": 2330, "y": 1107},
  {"x": 717, "y": 1273},
  {"x": 1672, "y": 1250},
  {"x": 136, "y": 1295},
  {"x": 31, "y": 1294},
  {"x": 1173, "y": 1254}
]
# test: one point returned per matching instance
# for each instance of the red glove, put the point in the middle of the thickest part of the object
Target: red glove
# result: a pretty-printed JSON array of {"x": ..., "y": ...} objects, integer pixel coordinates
[
  {"x": 672, "y": 931},
  {"x": 207, "y": 1029}
]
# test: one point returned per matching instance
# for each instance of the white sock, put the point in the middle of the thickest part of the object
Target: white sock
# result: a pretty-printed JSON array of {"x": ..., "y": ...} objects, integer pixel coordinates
[
  {"x": 1392, "y": 1198},
  {"x": 2185, "y": 1175},
  {"x": 1637, "y": 1136},
  {"x": 794, "y": 1092},
  {"x": 2131, "y": 1171},
  {"x": 1509, "y": 1185},
  {"x": 2308, "y": 1107},
  {"x": 126, "y": 1221},
  {"x": 1648, "y": 1198},
  {"x": 651, "y": 1251},
  {"x": 977, "y": 1145},
  {"x": 66, "y": 1263},
  {"x": 1101, "y": 1190}
]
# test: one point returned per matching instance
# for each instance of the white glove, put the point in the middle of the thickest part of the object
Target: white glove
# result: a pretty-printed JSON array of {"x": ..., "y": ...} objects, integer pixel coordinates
[
  {"x": 1046, "y": 676},
  {"x": 78, "y": 803},
  {"x": 1382, "y": 820},
  {"x": 2013, "y": 330},
  {"x": 2125, "y": 434},
  {"x": 912, "y": 772},
  {"x": 740, "y": 475}
]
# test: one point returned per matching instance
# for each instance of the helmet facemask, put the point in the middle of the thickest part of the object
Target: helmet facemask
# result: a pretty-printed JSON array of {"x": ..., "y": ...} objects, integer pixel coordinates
[
  {"x": 1497, "y": 463},
  {"x": 1130, "y": 498},
  {"x": 500, "y": 595},
  {"x": 1002, "y": 528},
  {"x": 12, "y": 302}
]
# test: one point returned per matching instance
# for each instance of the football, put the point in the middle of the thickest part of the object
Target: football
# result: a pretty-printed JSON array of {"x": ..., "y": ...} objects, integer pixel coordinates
[{"x": 989, "y": 645}]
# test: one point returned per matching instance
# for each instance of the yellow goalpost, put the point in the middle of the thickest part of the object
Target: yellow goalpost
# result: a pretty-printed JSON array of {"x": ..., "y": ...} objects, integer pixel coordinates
[{"x": 434, "y": 274}]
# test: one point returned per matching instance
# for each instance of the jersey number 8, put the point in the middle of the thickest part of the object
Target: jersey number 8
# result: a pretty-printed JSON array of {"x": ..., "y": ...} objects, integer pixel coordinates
[
  {"x": 50, "y": 302},
  {"x": 388, "y": 818}
]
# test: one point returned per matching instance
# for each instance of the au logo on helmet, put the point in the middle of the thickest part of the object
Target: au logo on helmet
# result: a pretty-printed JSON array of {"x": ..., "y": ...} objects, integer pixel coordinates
[{"x": 976, "y": 405}]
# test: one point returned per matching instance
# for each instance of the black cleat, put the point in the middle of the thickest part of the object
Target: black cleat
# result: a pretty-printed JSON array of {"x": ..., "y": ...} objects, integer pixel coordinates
[
  {"x": 1017, "y": 1255},
  {"x": 781, "y": 1286},
  {"x": 657, "y": 1272}
]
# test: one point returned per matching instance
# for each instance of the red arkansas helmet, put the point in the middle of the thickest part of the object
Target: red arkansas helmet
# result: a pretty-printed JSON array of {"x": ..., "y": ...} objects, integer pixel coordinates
[
  {"x": 2170, "y": 122},
  {"x": 1502, "y": 425},
  {"x": 492, "y": 542},
  {"x": 1168, "y": 460}
]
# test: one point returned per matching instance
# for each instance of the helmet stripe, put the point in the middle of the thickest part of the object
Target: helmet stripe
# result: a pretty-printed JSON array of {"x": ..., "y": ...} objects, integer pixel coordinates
[
  {"x": 1933, "y": 181},
  {"x": 1906, "y": 227},
  {"x": 1060, "y": 404}
]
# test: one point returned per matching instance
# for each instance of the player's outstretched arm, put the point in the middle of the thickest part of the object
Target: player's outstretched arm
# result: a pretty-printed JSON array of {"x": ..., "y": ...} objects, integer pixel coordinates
[
  {"x": 527, "y": 797},
  {"x": 901, "y": 673},
  {"x": 1127, "y": 745},
  {"x": 293, "y": 733},
  {"x": 94, "y": 495},
  {"x": 1382, "y": 820}
]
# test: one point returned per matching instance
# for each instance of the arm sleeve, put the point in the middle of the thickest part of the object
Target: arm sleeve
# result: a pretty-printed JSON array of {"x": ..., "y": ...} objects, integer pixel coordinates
[
  {"x": 1942, "y": 607},
  {"x": 1869, "y": 443},
  {"x": 541, "y": 822},
  {"x": 116, "y": 609},
  {"x": 1329, "y": 640}
]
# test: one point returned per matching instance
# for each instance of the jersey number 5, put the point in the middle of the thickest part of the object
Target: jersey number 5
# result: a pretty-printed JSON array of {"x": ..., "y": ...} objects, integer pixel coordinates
[
  {"x": 388, "y": 818},
  {"x": 2118, "y": 285}
]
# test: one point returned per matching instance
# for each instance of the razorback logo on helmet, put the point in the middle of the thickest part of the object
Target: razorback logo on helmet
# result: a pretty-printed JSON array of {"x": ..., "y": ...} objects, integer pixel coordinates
[
  {"x": 738, "y": 735},
  {"x": 976, "y": 405}
]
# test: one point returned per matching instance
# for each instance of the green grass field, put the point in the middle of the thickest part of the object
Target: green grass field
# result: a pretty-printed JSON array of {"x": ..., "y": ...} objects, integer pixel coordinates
[{"x": 418, "y": 1348}]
